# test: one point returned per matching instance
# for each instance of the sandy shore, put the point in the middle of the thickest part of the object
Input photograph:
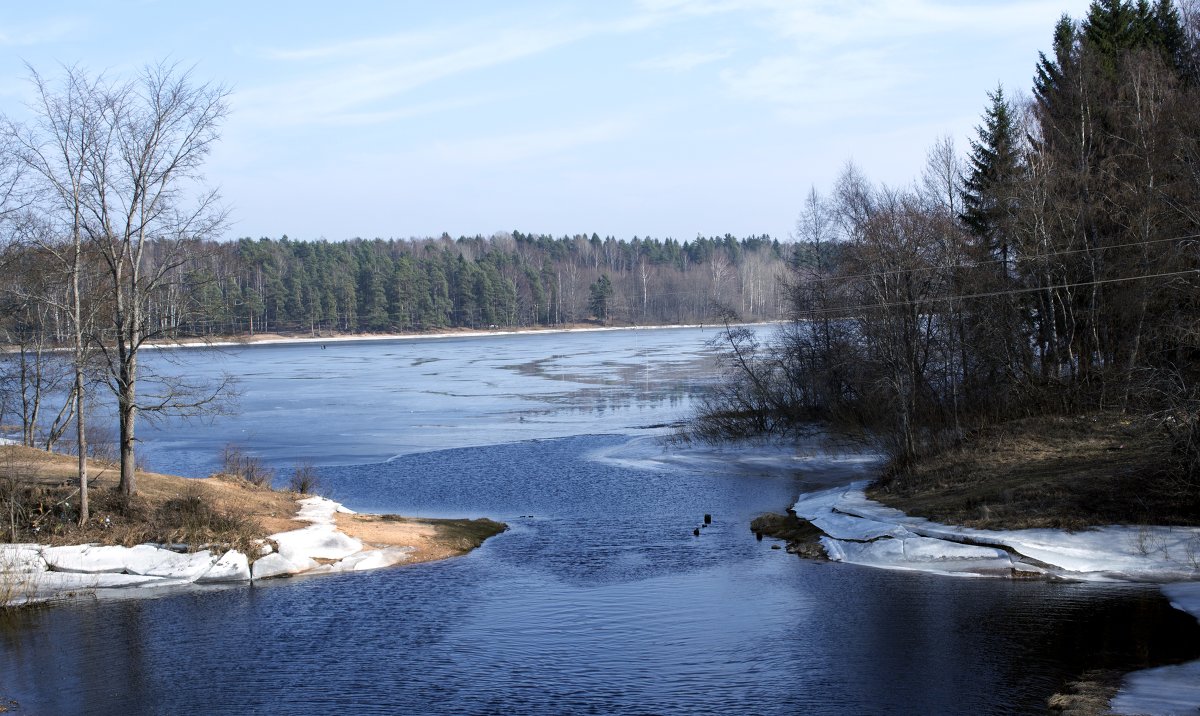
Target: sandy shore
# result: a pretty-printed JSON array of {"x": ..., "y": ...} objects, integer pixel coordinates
[
  {"x": 281, "y": 339},
  {"x": 431, "y": 539}
]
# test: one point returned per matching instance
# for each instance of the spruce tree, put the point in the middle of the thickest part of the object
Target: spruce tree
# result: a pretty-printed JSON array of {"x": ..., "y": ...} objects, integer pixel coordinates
[{"x": 995, "y": 166}]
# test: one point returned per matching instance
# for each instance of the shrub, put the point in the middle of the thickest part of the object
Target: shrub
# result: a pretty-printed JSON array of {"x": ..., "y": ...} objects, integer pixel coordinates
[
  {"x": 251, "y": 469},
  {"x": 304, "y": 479}
]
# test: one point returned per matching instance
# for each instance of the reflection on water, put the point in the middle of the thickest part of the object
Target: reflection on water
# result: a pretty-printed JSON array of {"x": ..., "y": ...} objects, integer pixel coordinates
[{"x": 598, "y": 600}]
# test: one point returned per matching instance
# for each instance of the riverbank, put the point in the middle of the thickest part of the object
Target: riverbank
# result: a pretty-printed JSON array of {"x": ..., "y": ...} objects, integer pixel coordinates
[
  {"x": 1085, "y": 498},
  {"x": 1059, "y": 472},
  {"x": 180, "y": 531},
  {"x": 337, "y": 337}
]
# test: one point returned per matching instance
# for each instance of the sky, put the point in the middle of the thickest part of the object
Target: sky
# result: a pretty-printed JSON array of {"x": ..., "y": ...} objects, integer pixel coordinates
[{"x": 661, "y": 118}]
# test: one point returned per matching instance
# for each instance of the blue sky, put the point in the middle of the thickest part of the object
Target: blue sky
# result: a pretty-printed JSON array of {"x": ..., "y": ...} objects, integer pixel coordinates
[{"x": 628, "y": 117}]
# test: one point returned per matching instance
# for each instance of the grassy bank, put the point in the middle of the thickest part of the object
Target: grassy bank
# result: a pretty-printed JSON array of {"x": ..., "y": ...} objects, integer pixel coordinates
[
  {"x": 1058, "y": 472},
  {"x": 39, "y": 497}
]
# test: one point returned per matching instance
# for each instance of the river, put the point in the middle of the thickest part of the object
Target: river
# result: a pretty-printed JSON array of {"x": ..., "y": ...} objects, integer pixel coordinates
[{"x": 599, "y": 599}]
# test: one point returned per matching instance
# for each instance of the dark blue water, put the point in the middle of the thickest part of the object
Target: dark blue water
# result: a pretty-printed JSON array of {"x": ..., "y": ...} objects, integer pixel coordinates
[{"x": 599, "y": 599}]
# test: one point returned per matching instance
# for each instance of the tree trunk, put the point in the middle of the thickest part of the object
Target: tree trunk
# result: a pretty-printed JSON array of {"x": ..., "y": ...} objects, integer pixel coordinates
[
  {"x": 127, "y": 413},
  {"x": 81, "y": 447}
]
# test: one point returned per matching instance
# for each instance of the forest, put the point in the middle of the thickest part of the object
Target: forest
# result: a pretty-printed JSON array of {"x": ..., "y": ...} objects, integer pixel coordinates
[
  {"x": 1051, "y": 270},
  {"x": 506, "y": 280}
]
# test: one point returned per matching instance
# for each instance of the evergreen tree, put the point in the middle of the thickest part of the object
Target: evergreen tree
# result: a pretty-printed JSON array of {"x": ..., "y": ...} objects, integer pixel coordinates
[
  {"x": 989, "y": 196},
  {"x": 600, "y": 295},
  {"x": 1109, "y": 30}
]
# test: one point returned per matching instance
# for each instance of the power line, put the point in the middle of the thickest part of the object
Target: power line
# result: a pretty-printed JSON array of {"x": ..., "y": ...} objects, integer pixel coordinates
[
  {"x": 977, "y": 264},
  {"x": 994, "y": 294}
]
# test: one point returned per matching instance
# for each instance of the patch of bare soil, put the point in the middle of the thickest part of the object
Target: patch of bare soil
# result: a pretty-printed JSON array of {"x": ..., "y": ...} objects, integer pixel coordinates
[
  {"x": 1055, "y": 472},
  {"x": 433, "y": 538}
]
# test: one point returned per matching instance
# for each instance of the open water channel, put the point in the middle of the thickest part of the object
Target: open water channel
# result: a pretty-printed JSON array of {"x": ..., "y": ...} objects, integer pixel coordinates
[{"x": 599, "y": 599}]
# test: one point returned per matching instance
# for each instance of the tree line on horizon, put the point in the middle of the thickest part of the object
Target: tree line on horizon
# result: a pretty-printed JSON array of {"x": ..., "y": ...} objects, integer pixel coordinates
[
  {"x": 1054, "y": 269},
  {"x": 506, "y": 280}
]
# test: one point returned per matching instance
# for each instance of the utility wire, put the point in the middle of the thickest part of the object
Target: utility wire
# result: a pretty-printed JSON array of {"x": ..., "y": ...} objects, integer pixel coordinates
[
  {"x": 992, "y": 294},
  {"x": 977, "y": 264}
]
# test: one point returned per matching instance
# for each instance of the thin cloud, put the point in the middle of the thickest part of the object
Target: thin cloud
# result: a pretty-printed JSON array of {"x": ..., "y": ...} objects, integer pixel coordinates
[
  {"x": 823, "y": 70},
  {"x": 683, "y": 61},
  {"x": 364, "y": 78},
  {"x": 527, "y": 145}
]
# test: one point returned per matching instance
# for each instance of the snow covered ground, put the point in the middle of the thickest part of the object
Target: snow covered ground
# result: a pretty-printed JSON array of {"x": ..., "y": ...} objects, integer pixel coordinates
[
  {"x": 861, "y": 531},
  {"x": 32, "y": 572}
]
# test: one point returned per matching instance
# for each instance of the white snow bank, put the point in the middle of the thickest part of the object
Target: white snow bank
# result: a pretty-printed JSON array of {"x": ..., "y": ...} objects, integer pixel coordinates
[
  {"x": 38, "y": 572},
  {"x": 155, "y": 562},
  {"x": 845, "y": 527},
  {"x": 21, "y": 558},
  {"x": 233, "y": 566},
  {"x": 373, "y": 559},
  {"x": 144, "y": 559},
  {"x": 920, "y": 553},
  {"x": 50, "y": 584},
  {"x": 277, "y": 565},
  {"x": 86, "y": 558},
  {"x": 1107, "y": 553},
  {"x": 1165, "y": 690},
  {"x": 1184, "y": 596},
  {"x": 316, "y": 542},
  {"x": 319, "y": 510}
]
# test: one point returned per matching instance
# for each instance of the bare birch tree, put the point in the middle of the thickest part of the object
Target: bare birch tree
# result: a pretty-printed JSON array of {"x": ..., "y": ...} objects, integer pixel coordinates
[
  {"x": 146, "y": 195},
  {"x": 56, "y": 150}
]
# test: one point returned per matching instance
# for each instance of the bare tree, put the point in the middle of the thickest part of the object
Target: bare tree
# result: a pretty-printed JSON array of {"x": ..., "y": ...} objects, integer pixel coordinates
[
  {"x": 55, "y": 151},
  {"x": 145, "y": 195}
]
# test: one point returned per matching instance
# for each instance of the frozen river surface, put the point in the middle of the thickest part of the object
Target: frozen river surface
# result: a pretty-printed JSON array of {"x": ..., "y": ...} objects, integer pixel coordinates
[{"x": 598, "y": 600}]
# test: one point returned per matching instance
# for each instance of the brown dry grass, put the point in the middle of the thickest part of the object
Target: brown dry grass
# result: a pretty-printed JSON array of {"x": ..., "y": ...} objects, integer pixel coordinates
[
  {"x": 219, "y": 510},
  {"x": 1059, "y": 472},
  {"x": 167, "y": 508},
  {"x": 1087, "y": 696}
]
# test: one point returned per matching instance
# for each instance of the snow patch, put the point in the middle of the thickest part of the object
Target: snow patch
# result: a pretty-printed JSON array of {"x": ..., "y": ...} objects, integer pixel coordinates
[
  {"x": 1108, "y": 553},
  {"x": 319, "y": 510},
  {"x": 318, "y": 541},
  {"x": 920, "y": 553},
  {"x": 22, "y": 558},
  {"x": 374, "y": 559},
  {"x": 86, "y": 558},
  {"x": 233, "y": 566},
  {"x": 155, "y": 562},
  {"x": 45, "y": 572},
  {"x": 277, "y": 565},
  {"x": 1164, "y": 690}
]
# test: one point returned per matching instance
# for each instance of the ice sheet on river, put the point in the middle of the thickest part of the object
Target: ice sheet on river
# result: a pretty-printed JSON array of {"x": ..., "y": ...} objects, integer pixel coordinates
[{"x": 1158, "y": 554}]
